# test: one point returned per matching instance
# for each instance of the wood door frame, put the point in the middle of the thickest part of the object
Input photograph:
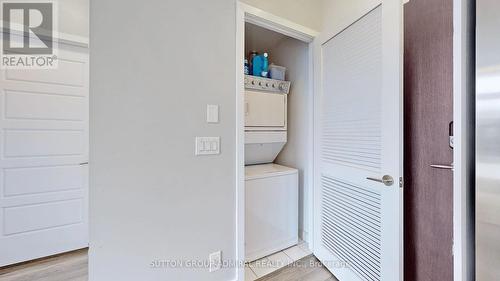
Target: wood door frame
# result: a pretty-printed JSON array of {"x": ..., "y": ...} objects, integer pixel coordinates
[{"x": 249, "y": 14}]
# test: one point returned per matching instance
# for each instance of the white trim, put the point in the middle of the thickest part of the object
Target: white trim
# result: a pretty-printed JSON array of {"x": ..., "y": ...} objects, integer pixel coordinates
[
  {"x": 272, "y": 22},
  {"x": 60, "y": 37},
  {"x": 462, "y": 270},
  {"x": 316, "y": 173},
  {"x": 247, "y": 13},
  {"x": 75, "y": 40},
  {"x": 308, "y": 236},
  {"x": 240, "y": 140},
  {"x": 458, "y": 272}
]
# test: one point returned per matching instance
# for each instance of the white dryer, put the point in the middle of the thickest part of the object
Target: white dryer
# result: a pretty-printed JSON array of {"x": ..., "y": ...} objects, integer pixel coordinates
[{"x": 265, "y": 119}]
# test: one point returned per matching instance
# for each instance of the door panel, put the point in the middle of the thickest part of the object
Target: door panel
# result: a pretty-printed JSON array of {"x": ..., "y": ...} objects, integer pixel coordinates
[
  {"x": 44, "y": 141},
  {"x": 264, "y": 109},
  {"x": 357, "y": 220},
  {"x": 428, "y": 112}
]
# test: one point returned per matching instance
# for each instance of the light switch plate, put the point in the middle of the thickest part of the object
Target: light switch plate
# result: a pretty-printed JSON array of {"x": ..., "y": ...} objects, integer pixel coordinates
[
  {"x": 207, "y": 146},
  {"x": 212, "y": 113}
]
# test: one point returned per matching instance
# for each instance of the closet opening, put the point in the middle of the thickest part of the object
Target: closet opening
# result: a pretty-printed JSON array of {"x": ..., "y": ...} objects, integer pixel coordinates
[{"x": 276, "y": 145}]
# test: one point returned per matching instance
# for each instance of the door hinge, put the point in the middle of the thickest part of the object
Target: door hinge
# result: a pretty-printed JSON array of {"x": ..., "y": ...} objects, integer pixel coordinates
[{"x": 401, "y": 182}]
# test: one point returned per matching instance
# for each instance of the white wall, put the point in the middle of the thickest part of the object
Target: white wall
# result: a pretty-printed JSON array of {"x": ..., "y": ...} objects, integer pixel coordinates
[
  {"x": 151, "y": 79},
  {"x": 303, "y": 12},
  {"x": 317, "y": 14},
  {"x": 294, "y": 55},
  {"x": 260, "y": 39},
  {"x": 154, "y": 68},
  {"x": 73, "y": 17},
  {"x": 339, "y": 14}
]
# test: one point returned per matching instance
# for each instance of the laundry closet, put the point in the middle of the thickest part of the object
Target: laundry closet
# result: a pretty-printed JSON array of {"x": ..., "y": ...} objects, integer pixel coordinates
[{"x": 278, "y": 142}]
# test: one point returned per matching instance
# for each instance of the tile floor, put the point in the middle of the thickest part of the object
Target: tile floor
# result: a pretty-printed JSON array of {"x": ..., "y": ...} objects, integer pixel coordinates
[{"x": 274, "y": 262}]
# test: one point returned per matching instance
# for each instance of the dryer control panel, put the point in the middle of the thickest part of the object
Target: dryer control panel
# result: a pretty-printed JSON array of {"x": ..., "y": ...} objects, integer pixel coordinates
[{"x": 266, "y": 84}]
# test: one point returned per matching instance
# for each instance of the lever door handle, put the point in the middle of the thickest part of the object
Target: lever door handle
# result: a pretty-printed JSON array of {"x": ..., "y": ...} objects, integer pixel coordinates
[
  {"x": 443, "y": 167},
  {"x": 387, "y": 180}
]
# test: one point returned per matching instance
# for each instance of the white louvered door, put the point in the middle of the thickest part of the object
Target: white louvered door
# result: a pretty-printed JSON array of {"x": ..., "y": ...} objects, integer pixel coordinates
[{"x": 358, "y": 113}]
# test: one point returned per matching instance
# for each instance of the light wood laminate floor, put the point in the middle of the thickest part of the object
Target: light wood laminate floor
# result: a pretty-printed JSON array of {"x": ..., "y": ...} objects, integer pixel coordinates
[
  {"x": 306, "y": 269},
  {"x": 66, "y": 267},
  {"x": 73, "y": 267}
]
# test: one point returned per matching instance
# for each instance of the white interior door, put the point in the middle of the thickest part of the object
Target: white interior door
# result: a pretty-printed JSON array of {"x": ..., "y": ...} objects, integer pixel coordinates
[
  {"x": 43, "y": 151},
  {"x": 358, "y": 220}
]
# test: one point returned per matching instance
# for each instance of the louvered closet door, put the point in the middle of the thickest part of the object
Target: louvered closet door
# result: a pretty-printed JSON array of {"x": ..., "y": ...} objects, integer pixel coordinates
[{"x": 358, "y": 111}]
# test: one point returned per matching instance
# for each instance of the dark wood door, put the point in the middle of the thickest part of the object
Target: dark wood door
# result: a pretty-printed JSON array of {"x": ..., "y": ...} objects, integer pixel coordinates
[{"x": 428, "y": 105}]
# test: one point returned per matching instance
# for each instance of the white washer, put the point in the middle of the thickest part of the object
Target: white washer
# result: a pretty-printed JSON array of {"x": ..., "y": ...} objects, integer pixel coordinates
[{"x": 271, "y": 209}]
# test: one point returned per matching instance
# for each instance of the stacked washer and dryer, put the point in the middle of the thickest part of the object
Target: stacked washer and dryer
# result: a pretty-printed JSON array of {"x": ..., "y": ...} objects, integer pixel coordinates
[{"x": 271, "y": 190}]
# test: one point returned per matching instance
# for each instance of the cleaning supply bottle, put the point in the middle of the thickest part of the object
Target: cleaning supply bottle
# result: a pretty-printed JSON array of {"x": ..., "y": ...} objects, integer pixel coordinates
[
  {"x": 257, "y": 65},
  {"x": 247, "y": 67},
  {"x": 252, "y": 55},
  {"x": 265, "y": 65}
]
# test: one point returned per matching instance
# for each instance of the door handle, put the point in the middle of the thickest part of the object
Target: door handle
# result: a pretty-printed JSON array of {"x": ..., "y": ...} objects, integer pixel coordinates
[
  {"x": 387, "y": 180},
  {"x": 450, "y": 133},
  {"x": 84, "y": 163},
  {"x": 443, "y": 167}
]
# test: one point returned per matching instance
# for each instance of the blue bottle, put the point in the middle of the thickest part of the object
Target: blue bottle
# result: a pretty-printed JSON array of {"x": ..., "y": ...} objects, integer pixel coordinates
[
  {"x": 250, "y": 61},
  {"x": 257, "y": 65},
  {"x": 265, "y": 65}
]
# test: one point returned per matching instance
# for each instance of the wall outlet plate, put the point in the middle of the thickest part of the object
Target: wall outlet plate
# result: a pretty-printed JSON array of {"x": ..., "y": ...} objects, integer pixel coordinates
[
  {"x": 207, "y": 146},
  {"x": 215, "y": 261}
]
